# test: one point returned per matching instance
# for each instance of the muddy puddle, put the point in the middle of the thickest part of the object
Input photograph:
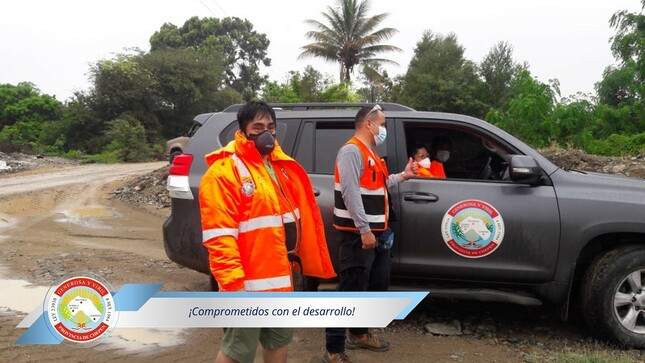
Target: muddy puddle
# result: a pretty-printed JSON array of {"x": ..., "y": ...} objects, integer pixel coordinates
[
  {"x": 20, "y": 296},
  {"x": 88, "y": 216},
  {"x": 91, "y": 211}
]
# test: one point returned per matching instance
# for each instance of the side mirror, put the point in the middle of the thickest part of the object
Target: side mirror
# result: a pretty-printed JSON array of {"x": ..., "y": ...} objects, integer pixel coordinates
[{"x": 524, "y": 169}]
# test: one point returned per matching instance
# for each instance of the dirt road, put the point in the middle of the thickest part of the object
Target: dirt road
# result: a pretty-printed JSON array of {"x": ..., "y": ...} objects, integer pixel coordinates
[{"x": 59, "y": 220}]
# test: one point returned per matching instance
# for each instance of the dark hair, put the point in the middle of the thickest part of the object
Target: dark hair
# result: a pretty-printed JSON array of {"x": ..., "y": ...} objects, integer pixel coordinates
[
  {"x": 251, "y": 110},
  {"x": 439, "y": 140},
  {"x": 361, "y": 115},
  {"x": 416, "y": 146}
]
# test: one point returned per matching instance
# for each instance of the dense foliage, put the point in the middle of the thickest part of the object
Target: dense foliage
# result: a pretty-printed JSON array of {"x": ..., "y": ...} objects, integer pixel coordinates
[
  {"x": 311, "y": 86},
  {"x": 440, "y": 78},
  {"x": 610, "y": 123},
  {"x": 242, "y": 48}
]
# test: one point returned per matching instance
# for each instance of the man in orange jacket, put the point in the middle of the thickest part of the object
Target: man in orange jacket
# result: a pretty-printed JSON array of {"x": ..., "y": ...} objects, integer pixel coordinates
[{"x": 258, "y": 212}]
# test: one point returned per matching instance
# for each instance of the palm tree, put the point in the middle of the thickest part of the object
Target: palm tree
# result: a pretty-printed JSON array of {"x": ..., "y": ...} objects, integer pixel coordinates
[{"x": 350, "y": 37}]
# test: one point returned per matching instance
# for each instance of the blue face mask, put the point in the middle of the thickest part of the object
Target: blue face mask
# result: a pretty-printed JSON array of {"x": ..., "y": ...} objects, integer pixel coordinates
[{"x": 380, "y": 137}]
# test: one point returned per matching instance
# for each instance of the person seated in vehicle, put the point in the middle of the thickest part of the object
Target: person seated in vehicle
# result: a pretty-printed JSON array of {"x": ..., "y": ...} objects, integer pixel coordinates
[
  {"x": 439, "y": 154},
  {"x": 422, "y": 157}
]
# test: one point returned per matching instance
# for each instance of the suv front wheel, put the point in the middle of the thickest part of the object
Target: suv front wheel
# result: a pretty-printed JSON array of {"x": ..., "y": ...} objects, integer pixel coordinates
[{"x": 613, "y": 296}]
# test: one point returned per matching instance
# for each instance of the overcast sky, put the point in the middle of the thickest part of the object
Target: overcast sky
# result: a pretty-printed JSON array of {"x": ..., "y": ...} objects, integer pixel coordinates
[{"x": 52, "y": 43}]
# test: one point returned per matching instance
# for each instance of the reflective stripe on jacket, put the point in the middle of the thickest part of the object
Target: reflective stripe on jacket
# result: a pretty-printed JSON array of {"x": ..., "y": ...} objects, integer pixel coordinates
[
  {"x": 373, "y": 189},
  {"x": 242, "y": 221}
]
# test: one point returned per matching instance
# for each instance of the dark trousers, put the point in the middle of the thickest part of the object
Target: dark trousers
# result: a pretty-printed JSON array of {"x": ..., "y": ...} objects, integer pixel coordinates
[{"x": 361, "y": 270}]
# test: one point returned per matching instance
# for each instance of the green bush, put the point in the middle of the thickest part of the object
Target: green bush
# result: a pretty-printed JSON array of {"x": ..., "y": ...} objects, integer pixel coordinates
[
  {"x": 128, "y": 140},
  {"x": 22, "y": 132},
  {"x": 618, "y": 145},
  {"x": 158, "y": 151},
  {"x": 108, "y": 157},
  {"x": 73, "y": 154}
]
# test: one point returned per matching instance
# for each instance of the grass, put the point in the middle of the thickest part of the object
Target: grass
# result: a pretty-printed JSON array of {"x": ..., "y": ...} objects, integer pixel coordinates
[
  {"x": 591, "y": 357},
  {"x": 593, "y": 353}
]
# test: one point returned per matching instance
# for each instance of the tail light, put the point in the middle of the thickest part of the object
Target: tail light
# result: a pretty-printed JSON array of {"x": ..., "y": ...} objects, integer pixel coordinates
[{"x": 177, "y": 183}]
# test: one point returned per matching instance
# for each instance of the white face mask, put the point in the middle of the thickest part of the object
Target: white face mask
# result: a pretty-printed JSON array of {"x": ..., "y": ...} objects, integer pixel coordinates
[
  {"x": 380, "y": 137},
  {"x": 425, "y": 163},
  {"x": 443, "y": 155}
]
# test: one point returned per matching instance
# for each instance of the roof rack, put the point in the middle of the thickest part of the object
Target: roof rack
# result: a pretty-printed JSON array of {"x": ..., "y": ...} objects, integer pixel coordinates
[{"x": 386, "y": 106}]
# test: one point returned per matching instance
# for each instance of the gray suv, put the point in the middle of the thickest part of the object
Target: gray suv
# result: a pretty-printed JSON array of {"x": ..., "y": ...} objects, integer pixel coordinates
[{"x": 505, "y": 225}]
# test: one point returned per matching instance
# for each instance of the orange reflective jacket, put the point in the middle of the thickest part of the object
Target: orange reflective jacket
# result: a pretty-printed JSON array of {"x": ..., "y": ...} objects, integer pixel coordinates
[
  {"x": 436, "y": 169},
  {"x": 242, "y": 219}
]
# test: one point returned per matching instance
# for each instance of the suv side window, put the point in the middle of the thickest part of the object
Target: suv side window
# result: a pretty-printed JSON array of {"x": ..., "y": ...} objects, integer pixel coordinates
[
  {"x": 473, "y": 155},
  {"x": 319, "y": 143}
]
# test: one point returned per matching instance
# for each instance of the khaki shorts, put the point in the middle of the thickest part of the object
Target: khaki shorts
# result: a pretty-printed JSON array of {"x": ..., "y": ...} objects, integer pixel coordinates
[{"x": 240, "y": 343}]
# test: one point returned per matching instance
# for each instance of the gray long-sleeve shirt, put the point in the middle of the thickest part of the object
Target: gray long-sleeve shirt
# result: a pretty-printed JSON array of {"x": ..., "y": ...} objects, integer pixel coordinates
[{"x": 350, "y": 169}]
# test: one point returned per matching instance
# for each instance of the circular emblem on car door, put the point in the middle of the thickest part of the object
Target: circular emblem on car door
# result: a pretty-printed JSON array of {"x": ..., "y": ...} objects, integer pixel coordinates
[{"x": 472, "y": 228}]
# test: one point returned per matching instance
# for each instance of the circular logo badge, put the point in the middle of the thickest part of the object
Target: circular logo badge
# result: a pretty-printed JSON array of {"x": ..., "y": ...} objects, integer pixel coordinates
[
  {"x": 472, "y": 228},
  {"x": 248, "y": 187},
  {"x": 81, "y": 310}
]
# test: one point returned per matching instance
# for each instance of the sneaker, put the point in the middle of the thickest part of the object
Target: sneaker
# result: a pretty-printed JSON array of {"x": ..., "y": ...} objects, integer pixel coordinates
[
  {"x": 367, "y": 341},
  {"x": 336, "y": 358}
]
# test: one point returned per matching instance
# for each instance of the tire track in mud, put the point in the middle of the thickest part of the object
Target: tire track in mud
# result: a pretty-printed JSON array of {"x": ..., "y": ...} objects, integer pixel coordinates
[
  {"x": 35, "y": 204},
  {"x": 26, "y": 200}
]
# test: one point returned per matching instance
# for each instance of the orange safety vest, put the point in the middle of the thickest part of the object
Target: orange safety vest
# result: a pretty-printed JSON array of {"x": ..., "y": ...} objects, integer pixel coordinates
[
  {"x": 243, "y": 215},
  {"x": 424, "y": 172},
  {"x": 373, "y": 192},
  {"x": 436, "y": 169}
]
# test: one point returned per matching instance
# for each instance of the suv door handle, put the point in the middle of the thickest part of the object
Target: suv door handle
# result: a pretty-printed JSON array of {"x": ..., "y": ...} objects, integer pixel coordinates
[
  {"x": 420, "y": 197},
  {"x": 316, "y": 192}
]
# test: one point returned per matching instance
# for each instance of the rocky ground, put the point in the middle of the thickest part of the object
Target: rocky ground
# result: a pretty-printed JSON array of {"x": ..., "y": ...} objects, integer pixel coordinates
[
  {"x": 17, "y": 162},
  {"x": 576, "y": 159},
  {"x": 149, "y": 190}
]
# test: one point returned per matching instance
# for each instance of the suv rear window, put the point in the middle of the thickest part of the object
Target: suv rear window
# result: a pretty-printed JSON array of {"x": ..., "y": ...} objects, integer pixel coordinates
[{"x": 326, "y": 138}]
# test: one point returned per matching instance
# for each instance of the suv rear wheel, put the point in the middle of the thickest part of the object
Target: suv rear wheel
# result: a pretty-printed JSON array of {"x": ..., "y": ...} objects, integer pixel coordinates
[{"x": 613, "y": 296}]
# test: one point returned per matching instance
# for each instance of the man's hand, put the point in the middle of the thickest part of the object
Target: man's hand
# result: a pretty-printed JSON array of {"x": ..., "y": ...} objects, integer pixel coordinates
[
  {"x": 411, "y": 168},
  {"x": 369, "y": 240}
]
